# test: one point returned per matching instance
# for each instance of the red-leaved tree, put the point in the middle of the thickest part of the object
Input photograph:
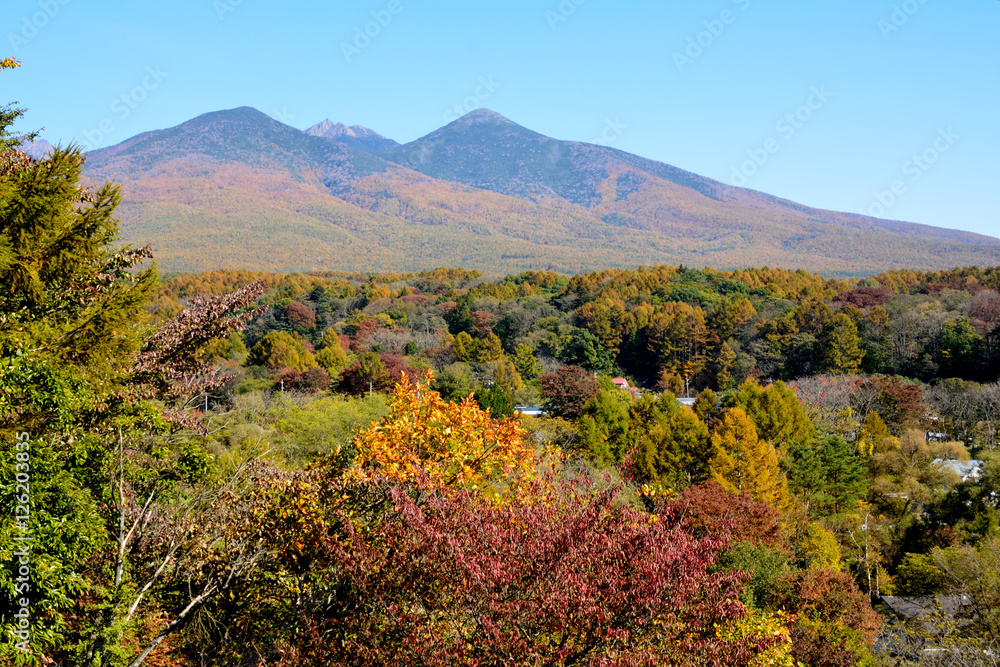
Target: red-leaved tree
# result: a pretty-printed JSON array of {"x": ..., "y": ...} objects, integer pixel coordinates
[
  {"x": 711, "y": 509},
  {"x": 835, "y": 619},
  {"x": 375, "y": 372},
  {"x": 567, "y": 390},
  {"x": 578, "y": 579},
  {"x": 300, "y": 315}
]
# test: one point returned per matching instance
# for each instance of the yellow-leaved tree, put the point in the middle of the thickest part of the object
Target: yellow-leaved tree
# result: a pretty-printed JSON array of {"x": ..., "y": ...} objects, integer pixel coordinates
[
  {"x": 744, "y": 462},
  {"x": 454, "y": 444},
  {"x": 763, "y": 626}
]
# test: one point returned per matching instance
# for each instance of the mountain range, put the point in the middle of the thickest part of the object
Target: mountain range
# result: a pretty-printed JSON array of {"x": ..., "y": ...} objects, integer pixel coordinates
[{"x": 238, "y": 189}]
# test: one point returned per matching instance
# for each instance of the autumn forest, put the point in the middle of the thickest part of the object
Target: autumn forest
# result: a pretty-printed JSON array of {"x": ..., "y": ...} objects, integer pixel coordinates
[{"x": 658, "y": 465}]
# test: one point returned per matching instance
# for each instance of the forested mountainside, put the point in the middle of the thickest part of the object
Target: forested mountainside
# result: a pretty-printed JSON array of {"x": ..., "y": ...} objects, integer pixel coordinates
[{"x": 236, "y": 189}]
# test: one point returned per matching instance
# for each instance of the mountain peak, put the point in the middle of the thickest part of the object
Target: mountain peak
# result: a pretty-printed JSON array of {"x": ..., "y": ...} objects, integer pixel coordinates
[
  {"x": 356, "y": 135},
  {"x": 38, "y": 148},
  {"x": 492, "y": 192},
  {"x": 484, "y": 115},
  {"x": 238, "y": 113},
  {"x": 329, "y": 129}
]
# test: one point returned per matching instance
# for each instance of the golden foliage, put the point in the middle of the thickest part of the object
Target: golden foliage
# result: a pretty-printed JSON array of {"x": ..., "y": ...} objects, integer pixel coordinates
[
  {"x": 454, "y": 444},
  {"x": 764, "y": 626},
  {"x": 744, "y": 462}
]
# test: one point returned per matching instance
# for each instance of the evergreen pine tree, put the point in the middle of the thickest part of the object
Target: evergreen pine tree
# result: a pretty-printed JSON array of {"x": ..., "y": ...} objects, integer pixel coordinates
[
  {"x": 841, "y": 346},
  {"x": 526, "y": 363},
  {"x": 460, "y": 318},
  {"x": 81, "y": 374},
  {"x": 828, "y": 475}
]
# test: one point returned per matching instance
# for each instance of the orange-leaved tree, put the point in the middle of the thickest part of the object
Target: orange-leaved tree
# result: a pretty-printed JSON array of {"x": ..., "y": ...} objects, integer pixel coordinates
[{"x": 452, "y": 444}]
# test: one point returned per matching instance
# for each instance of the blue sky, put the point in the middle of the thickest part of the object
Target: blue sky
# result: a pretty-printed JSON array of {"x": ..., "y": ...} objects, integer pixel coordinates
[{"x": 882, "y": 106}]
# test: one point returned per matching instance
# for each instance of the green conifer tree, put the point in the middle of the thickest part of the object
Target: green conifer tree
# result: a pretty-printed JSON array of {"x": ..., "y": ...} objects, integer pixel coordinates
[{"x": 840, "y": 346}]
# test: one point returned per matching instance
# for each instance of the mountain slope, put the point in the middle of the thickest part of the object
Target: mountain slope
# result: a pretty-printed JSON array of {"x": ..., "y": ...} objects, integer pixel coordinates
[
  {"x": 241, "y": 136},
  {"x": 485, "y": 150},
  {"x": 237, "y": 189}
]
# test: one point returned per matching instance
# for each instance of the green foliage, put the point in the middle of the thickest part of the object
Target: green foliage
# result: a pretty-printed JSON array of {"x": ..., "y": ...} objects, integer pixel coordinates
[
  {"x": 971, "y": 510},
  {"x": 874, "y": 435},
  {"x": 817, "y": 548},
  {"x": 487, "y": 349},
  {"x": 325, "y": 425},
  {"x": 68, "y": 293},
  {"x": 280, "y": 349},
  {"x": 919, "y": 575},
  {"x": 829, "y": 475},
  {"x": 776, "y": 412},
  {"x": 455, "y": 382},
  {"x": 70, "y": 318},
  {"x": 958, "y": 344},
  {"x": 250, "y": 384},
  {"x": 841, "y": 345},
  {"x": 746, "y": 463},
  {"x": 526, "y": 362},
  {"x": 464, "y": 347},
  {"x": 765, "y": 565},
  {"x": 68, "y": 534},
  {"x": 605, "y": 432},
  {"x": 730, "y": 316},
  {"x": 232, "y": 348},
  {"x": 976, "y": 572},
  {"x": 673, "y": 446},
  {"x": 503, "y": 374},
  {"x": 333, "y": 359},
  {"x": 460, "y": 318},
  {"x": 584, "y": 349},
  {"x": 498, "y": 402}
]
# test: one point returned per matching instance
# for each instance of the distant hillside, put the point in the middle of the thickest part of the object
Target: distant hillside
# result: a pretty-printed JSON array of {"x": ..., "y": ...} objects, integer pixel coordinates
[{"x": 238, "y": 189}]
